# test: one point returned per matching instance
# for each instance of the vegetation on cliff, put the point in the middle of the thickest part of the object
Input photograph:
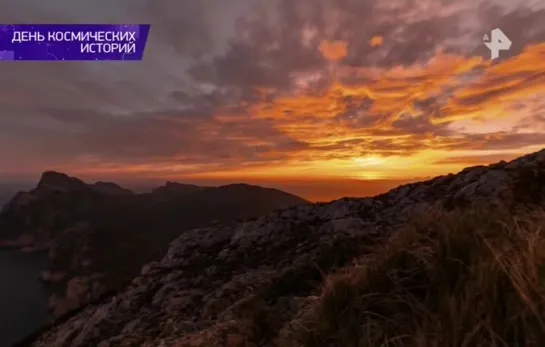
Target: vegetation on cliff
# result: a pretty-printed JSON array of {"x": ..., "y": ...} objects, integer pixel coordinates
[{"x": 458, "y": 278}]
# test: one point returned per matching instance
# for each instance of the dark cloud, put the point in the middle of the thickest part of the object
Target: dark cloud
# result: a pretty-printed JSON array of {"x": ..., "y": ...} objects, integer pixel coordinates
[
  {"x": 184, "y": 137},
  {"x": 502, "y": 140},
  {"x": 184, "y": 24},
  {"x": 419, "y": 125},
  {"x": 522, "y": 25}
]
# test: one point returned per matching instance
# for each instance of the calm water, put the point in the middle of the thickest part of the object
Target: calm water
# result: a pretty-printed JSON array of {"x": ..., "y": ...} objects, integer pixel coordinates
[{"x": 23, "y": 299}]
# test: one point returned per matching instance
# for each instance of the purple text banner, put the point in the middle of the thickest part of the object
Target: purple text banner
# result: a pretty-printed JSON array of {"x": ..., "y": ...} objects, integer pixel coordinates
[{"x": 73, "y": 42}]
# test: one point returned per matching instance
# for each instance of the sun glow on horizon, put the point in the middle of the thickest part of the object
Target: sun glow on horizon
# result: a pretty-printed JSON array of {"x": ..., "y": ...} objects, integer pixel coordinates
[{"x": 371, "y": 123}]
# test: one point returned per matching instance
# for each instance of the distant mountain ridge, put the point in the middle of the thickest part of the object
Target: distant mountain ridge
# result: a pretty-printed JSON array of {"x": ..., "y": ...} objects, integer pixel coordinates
[
  {"x": 173, "y": 188},
  {"x": 247, "y": 284},
  {"x": 99, "y": 235}
]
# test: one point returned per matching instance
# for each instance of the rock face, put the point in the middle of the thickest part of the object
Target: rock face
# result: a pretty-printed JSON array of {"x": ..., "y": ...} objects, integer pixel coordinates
[
  {"x": 99, "y": 235},
  {"x": 52, "y": 180},
  {"x": 212, "y": 282}
]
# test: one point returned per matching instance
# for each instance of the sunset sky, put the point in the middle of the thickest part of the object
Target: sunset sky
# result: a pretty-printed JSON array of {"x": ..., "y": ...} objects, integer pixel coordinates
[{"x": 323, "y": 98}]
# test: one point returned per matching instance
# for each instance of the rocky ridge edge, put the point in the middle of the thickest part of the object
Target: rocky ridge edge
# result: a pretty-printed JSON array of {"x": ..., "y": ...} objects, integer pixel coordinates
[{"x": 204, "y": 290}]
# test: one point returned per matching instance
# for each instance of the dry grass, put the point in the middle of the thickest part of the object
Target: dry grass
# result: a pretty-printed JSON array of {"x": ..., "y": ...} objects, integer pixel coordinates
[{"x": 451, "y": 279}]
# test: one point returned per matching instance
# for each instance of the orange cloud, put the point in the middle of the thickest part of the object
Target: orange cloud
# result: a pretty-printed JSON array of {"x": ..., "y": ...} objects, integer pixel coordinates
[
  {"x": 515, "y": 81},
  {"x": 334, "y": 50},
  {"x": 374, "y": 123},
  {"x": 375, "y": 141},
  {"x": 376, "y": 41}
]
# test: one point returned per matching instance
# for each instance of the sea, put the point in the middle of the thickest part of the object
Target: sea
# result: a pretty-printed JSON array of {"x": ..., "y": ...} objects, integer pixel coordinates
[{"x": 23, "y": 298}]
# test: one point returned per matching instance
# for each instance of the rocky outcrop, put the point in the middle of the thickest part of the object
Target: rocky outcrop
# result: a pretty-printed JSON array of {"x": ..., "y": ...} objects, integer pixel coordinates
[
  {"x": 239, "y": 284},
  {"x": 52, "y": 180},
  {"x": 99, "y": 235}
]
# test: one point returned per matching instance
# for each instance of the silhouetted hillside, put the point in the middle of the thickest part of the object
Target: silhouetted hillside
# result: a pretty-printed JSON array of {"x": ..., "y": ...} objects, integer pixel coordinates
[
  {"x": 453, "y": 261},
  {"x": 99, "y": 235}
]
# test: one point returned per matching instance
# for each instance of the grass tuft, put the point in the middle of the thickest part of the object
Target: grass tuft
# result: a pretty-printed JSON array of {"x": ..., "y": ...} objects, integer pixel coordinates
[{"x": 450, "y": 279}]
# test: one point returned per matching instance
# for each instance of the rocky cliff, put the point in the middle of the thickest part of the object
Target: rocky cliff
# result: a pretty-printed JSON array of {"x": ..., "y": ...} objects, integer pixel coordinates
[
  {"x": 99, "y": 235},
  {"x": 212, "y": 281}
]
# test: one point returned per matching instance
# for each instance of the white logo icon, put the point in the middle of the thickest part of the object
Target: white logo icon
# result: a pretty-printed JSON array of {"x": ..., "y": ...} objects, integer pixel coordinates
[{"x": 497, "y": 42}]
